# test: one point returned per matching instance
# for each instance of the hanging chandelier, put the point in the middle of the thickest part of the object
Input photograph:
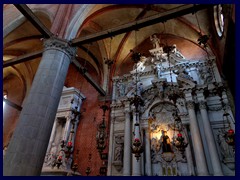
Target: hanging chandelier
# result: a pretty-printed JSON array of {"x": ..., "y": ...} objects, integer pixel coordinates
[
  {"x": 179, "y": 141},
  {"x": 174, "y": 95},
  {"x": 136, "y": 101},
  {"x": 67, "y": 146},
  {"x": 137, "y": 148},
  {"x": 228, "y": 132},
  {"x": 88, "y": 170},
  {"x": 101, "y": 133}
]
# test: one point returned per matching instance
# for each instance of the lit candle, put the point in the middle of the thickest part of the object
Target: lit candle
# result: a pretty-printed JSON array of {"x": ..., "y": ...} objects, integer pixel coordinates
[
  {"x": 231, "y": 131},
  {"x": 179, "y": 135},
  {"x": 69, "y": 144}
]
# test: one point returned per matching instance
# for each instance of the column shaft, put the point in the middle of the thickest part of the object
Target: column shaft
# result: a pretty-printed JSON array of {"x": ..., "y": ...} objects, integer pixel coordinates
[
  {"x": 26, "y": 151},
  {"x": 127, "y": 145},
  {"x": 189, "y": 157},
  {"x": 136, "y": 171},
  {"x": 148, "y": 167},
  {"x": 217, "y": 170},
  {"x": 110, "y": 152},
  {"x": 197, "y": 142}
]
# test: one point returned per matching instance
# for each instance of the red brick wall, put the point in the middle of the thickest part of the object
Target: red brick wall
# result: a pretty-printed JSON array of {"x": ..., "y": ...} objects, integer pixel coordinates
[{"x": 85, "y": 141}]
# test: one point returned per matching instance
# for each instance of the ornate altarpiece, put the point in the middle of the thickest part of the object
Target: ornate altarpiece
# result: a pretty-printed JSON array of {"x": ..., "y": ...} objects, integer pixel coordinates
[{"x": 196, "y": 82}]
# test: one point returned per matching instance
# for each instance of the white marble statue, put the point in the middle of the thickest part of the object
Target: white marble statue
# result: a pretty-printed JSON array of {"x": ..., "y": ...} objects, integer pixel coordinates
[{"x": 155, "y": 41}]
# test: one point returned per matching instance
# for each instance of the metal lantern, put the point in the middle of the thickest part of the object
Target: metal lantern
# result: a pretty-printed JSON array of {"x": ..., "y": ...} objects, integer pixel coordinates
[
  {"x": 137, "y": 148},
  {"x": 179, "y": 143},
  {"x": 101, "y": 133},
  {"x": 230, "y": 137},
  {"x": 229, "y": 134},
  {"x": 88, "y": 171}
]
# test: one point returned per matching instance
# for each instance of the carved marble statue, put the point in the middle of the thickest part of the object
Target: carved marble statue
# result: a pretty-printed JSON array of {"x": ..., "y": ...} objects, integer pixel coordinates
[
  {"x": 205, "y": 74},
  {"x": 51, "y": 156},
  {"x": 155, "y": 41},
  {"x": 158, "y": 68},
  {"x": 176, "y": 52},
  {"x": 184, "y": 78},
  {"x": 141, "y": 64},
  {"x": 165, "y": 142},
  {"x": 121, "y": 88},
  {"x": 118, "y": 153}
]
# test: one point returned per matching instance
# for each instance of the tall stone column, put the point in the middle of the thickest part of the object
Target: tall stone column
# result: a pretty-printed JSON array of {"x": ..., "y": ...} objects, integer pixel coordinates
[
  {"x": 189, "y": 156},
  {"x": 217, "y": 170},
  {"x": 26, "y": 151},
  {"x": 136, "y": 169},
  {"x": 110, "y": 151},
  {"x": 197, "y": 142},
  {"x": 148, "y": 168},
  {"x": 127, "y": 143}
]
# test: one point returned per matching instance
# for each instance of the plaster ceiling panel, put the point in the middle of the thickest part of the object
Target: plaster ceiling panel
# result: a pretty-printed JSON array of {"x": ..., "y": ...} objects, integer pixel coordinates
[
  {"x": 116, "y": 40},
  {"x": 24, "y": 47},
  {"x": 203, "y": 19},
  {"x": 94, "y": 49},
  {"x": 98, "y": 7},
  {"x": 26, "y": 30},
  {"x": 116, "y": 17},
  {"x": 84, "y": 56},
  {"x": 85, "y": 32},
  {"x": 7, "y": 71},
  {"x": 181, "y": 29},
  {"x": 129, "y": 44},
  {"x": 34, "y": 64}
]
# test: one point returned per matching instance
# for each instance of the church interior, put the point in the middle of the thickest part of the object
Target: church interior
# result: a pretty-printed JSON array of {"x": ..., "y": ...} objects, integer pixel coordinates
[{"x": 118, "y": 90}]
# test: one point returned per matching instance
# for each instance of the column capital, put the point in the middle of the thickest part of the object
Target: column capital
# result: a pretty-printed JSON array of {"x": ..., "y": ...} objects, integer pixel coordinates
[
  {"x": 202, "y": 105},
  {"x": 60, "y": 45},
  {"x": 190, "y": 104}
]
